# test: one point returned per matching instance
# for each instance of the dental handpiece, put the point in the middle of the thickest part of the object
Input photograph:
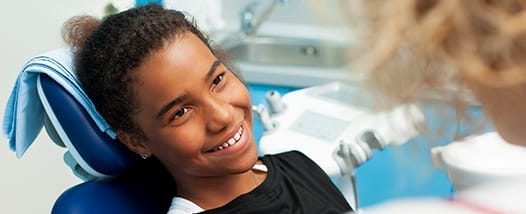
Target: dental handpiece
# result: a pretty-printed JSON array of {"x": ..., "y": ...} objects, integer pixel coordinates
[{"x": 263, "y": 115}]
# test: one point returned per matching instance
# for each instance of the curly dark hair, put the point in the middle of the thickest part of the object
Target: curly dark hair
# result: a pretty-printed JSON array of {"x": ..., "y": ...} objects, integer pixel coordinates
[{"x": 107, "y": 52}]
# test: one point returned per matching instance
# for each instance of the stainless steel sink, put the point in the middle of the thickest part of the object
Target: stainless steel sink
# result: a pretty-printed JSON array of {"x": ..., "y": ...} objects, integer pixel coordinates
[
  {"x": 289, "y": 61},
  {"x": 269, "y": 50}
]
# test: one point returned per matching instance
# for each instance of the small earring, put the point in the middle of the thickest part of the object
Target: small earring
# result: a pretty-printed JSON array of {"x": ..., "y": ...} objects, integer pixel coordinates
[{"x": 144, "y": 156}]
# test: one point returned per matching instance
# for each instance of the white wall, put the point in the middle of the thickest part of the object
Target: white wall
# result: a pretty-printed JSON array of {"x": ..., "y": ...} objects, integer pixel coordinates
[{"x": 32, "y": 184}]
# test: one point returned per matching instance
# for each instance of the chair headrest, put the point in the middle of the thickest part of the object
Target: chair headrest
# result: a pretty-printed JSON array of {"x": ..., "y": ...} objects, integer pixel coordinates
[{"x": 95, "y": 152}]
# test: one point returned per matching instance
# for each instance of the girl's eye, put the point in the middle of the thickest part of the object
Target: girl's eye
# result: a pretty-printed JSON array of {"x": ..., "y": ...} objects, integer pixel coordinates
[
  {"x": 179, "y": 113},
  {"x": 218, "y": 79}
]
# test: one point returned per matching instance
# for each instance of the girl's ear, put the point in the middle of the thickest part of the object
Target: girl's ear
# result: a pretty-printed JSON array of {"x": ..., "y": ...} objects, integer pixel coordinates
[{"x": 134, "y": 143}]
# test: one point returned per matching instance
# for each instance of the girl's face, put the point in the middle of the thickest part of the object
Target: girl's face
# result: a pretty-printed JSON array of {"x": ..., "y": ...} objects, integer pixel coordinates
[{"x": 196, "y": 115}]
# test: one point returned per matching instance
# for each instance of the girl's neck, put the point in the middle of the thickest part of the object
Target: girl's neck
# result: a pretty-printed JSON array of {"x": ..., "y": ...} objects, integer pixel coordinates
[{"x": 212, "y": 192}]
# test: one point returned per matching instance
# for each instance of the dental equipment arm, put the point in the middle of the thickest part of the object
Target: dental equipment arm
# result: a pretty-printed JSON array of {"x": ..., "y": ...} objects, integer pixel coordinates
[
  {"x": 378, "y": 131},
  {"x": 395, "y": 127}
]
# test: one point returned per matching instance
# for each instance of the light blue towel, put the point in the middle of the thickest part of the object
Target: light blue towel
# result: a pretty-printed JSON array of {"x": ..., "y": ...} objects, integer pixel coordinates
[{"x": 24, "y": 115}]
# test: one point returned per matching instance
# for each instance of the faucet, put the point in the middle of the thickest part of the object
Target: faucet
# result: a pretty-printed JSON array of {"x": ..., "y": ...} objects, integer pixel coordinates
[{"x": 249, "y": 24}]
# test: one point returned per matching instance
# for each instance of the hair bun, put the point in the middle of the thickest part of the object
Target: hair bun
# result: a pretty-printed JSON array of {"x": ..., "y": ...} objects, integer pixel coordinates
[{"x": 77, "y": 29}]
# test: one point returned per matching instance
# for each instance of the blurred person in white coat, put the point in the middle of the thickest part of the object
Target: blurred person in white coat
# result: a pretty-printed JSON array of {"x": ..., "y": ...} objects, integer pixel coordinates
[{"x": 410, "y": 47}]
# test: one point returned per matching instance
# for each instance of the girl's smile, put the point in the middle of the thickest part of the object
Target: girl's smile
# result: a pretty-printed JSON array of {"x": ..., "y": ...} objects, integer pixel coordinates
[{"x": 230, "y": 142}]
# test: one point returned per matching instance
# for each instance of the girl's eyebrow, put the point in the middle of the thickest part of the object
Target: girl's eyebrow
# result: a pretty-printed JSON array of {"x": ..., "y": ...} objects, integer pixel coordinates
[{"x": 212, "y": 68}]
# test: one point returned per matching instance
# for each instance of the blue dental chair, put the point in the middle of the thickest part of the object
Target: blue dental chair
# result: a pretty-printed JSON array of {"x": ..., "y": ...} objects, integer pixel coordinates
[{"x": 117, "y": 181}]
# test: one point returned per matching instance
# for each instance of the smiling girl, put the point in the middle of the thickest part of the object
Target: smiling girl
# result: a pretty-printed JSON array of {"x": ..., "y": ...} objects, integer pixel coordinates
[{"x": 171, "y": 96}]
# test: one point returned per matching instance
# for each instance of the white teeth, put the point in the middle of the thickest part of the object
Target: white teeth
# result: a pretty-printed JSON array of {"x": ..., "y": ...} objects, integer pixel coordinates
[{"x": 231, "y": 141}]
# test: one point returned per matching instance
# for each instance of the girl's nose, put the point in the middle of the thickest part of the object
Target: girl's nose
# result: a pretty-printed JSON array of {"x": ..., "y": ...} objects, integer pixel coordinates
[{"x": 219, "y": 115}]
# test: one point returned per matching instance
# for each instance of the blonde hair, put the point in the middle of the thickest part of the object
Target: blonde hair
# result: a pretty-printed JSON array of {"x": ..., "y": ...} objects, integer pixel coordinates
[{"x": 414, "y": 46}]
